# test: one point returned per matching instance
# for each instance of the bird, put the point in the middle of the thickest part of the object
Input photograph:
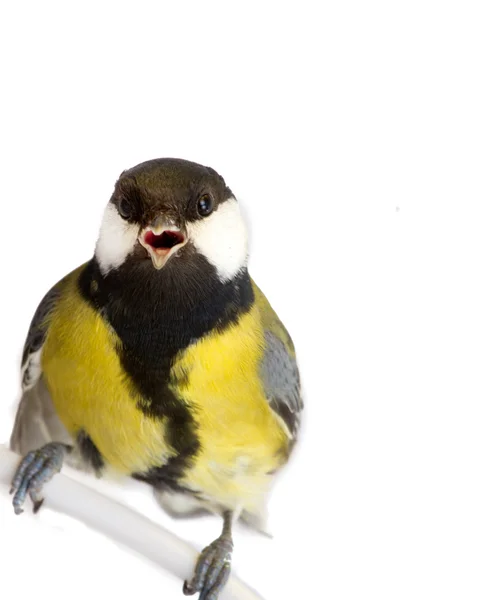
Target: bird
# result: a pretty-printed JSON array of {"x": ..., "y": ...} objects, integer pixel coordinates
[{"x": 160, "y": 359}]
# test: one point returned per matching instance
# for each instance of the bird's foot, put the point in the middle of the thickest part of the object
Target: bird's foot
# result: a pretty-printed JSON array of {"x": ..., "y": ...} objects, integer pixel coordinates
[
  {"x": 35, "y": 469},
  {"x": 212, "y": 570}
]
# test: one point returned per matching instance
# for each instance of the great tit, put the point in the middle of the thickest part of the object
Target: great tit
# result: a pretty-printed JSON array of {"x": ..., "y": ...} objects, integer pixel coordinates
[{"x": 161, "y": 359}]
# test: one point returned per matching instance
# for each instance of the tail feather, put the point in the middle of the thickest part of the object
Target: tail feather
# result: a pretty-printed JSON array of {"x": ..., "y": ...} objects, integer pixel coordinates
[{"x": 36, "y": 422}]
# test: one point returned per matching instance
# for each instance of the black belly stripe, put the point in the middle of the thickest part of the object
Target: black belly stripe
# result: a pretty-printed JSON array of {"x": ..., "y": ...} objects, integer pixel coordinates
[
  {"x": 89, "y": 451},
  {"x": 167, "y": 477},
  {"x": 155, "y": 317}
]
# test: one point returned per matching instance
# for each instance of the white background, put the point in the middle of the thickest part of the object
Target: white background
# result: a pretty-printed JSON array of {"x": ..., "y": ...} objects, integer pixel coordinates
[{"x": 357, "y": 136}]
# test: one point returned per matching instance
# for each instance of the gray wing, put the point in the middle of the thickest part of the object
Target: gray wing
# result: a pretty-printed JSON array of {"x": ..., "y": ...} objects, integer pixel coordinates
[
  {"x": 281, "y": 381},
  {"x": 36, "y": 422},
  {"x": 31, "y": 356}
]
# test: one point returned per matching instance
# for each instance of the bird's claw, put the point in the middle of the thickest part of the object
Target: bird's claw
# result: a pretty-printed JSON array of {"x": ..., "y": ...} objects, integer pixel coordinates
[
  {"x": 212, "y": 570},
  {"x": 35, "y": 469}
]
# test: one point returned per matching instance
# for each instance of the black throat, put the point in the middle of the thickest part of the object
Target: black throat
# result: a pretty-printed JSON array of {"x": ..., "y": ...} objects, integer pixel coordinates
[{"x": 158, "y": 313}]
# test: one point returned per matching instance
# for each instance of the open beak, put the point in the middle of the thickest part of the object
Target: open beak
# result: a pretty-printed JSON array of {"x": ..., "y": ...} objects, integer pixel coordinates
[{"x": 162, "y": 241}]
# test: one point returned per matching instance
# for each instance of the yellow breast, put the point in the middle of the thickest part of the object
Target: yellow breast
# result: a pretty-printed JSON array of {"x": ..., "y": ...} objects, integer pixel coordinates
[
  {"x": 241, "y": 439},
  {"x": 90, "y": 390}
]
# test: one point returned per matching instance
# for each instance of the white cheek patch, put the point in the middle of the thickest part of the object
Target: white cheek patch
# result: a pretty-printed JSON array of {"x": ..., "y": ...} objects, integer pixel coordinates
[
  {"x": 222, "y": 239},
  {"x": 116, "y": 241}
]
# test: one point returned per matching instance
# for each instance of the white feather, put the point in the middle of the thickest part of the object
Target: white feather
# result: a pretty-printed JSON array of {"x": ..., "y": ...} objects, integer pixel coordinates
[
  {"x": 31, "y": 370},
  {"x": 180, "y": 504},
  {"x": 222, "y": 239},
  {"x": 116, "y": 241}
]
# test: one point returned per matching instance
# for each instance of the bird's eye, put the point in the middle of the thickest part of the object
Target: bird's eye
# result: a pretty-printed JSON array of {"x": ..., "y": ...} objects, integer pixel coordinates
[
  {"x": 125, "y": 208},
  {"x": 205, "y": 205}
]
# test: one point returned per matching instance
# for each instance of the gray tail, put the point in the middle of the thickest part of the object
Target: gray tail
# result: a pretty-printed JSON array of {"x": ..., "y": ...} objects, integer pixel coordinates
[{"x": 36, "y": 422}]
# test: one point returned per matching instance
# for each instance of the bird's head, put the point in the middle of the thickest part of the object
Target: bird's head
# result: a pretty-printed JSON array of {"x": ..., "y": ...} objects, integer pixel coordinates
[{"x": 169, "y": 210}]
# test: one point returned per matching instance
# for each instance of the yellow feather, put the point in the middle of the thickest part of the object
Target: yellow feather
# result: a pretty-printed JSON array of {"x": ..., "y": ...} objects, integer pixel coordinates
[
  {"x": 270, "y": 320},
  {"x": 90, "y": 390},
  {"x": 242, "y": 441},
  {"x": 241, "y": 438}
]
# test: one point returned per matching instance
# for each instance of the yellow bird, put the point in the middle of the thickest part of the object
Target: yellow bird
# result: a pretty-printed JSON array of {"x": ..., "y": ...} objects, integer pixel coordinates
[{"x": 161, "y": 359}]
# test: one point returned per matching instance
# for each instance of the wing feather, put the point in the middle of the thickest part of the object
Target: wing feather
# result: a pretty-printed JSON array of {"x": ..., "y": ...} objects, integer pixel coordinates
[
  {"x": 36, "y": 422},
  {"x": 279, "y": 370},
  {"x": 31, "y": 355}
]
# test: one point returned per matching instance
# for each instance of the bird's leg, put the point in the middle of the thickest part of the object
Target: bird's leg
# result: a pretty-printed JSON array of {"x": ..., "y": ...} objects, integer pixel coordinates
[
  {"x": 35, "y": 469},
  {"x": 214, "y": 565}
]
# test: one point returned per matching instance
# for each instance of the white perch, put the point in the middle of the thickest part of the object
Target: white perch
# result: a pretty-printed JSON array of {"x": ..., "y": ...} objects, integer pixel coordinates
[{"x": 123, "y": 525}]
